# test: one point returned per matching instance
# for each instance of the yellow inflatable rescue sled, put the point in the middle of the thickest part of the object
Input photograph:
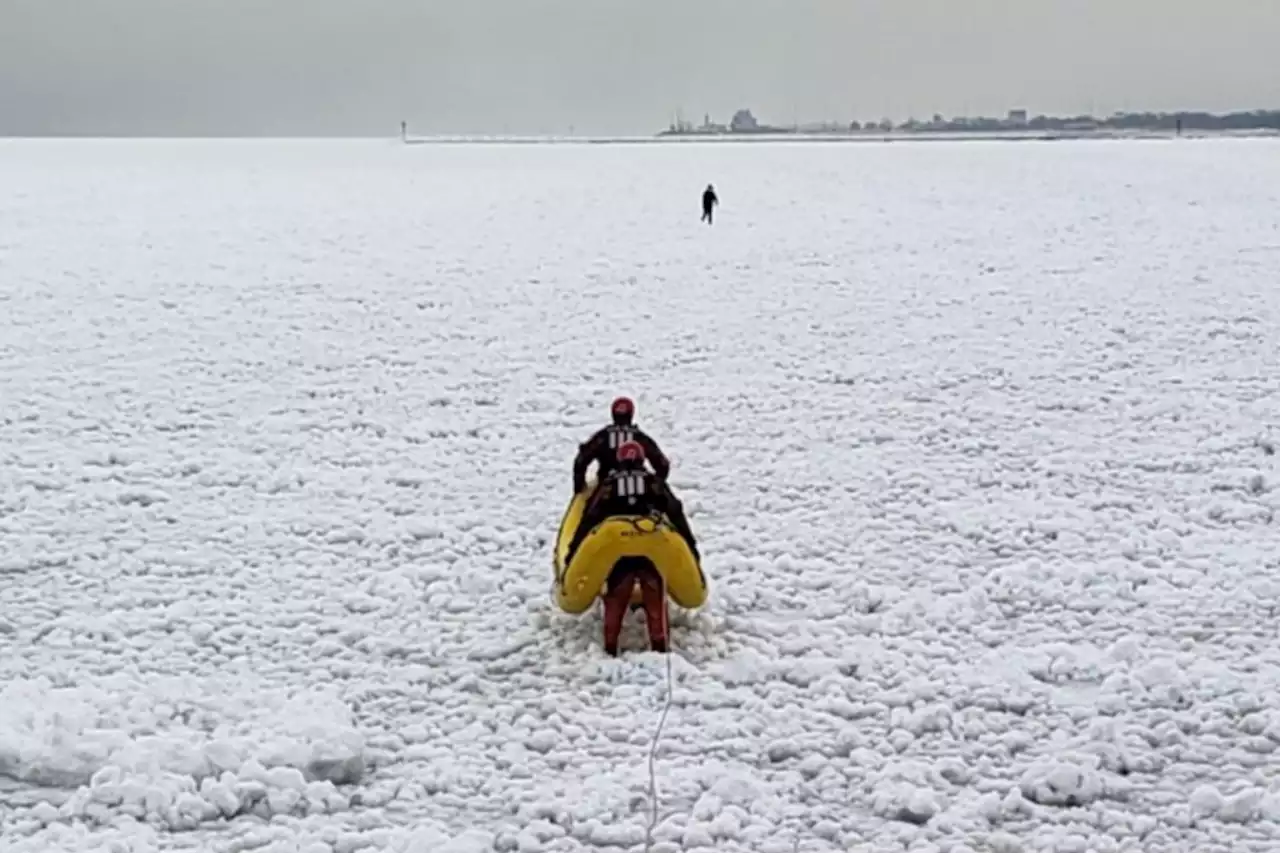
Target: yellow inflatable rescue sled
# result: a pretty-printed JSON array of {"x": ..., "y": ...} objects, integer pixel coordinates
[{"x": 578, "y": 584}]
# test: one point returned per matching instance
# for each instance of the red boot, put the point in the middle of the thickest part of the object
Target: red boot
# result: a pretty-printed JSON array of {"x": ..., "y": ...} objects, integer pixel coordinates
[
  {"x": 616, "y": 604},
  {"x": 655, "y": 609}
]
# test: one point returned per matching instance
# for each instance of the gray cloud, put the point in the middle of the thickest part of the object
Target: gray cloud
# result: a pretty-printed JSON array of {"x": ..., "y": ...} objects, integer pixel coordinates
[{"x": 610, "y": 66}]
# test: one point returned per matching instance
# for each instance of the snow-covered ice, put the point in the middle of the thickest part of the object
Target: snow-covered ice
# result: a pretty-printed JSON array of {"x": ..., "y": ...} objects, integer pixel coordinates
[{"x": 979, "y": 440}]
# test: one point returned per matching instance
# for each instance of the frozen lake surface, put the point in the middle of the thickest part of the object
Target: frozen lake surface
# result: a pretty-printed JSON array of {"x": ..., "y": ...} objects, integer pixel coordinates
[{"x": 978, "y": 439}]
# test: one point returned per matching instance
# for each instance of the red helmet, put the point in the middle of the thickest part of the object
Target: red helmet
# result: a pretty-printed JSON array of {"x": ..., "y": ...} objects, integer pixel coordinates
[
  {"x": 623, "y": 409},
  {"x": 630, "y": 454}
]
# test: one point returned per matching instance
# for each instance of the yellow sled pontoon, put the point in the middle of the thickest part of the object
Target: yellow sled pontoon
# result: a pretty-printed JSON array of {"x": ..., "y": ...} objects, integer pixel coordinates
[{"x": 578, "y": 584}]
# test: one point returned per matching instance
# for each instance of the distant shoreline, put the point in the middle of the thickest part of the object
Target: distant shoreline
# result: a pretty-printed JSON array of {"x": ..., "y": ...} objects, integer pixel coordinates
[
  {"x": 786, "y": 138},
  {"x": 1017, "y": 121},
  {"x": 832, "y": 138}
]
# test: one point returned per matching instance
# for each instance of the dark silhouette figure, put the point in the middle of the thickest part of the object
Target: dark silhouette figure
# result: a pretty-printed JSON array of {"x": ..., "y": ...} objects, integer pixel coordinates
[{"x": 709, "y": 202}]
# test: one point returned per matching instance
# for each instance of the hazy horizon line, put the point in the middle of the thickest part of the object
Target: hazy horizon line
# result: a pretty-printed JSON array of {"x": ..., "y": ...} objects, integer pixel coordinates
[{"x": 394, "y": 133}]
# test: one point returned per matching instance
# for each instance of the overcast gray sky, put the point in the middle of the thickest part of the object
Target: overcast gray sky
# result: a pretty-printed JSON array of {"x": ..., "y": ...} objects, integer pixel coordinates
[{"x": 357, "y": 67}]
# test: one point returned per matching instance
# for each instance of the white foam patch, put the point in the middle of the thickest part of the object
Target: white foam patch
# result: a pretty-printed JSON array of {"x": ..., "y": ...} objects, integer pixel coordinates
[{"x": 177, "y": 752}]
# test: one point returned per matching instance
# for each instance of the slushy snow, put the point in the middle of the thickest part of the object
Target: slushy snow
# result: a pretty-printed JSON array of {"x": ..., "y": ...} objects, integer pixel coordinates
[{"x": 978, "y": 440}]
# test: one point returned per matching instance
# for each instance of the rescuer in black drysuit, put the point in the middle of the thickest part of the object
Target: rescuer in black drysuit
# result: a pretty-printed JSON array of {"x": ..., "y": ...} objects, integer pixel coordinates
[
  {"x": 602, "y": 447},
  {"x": 631, "y": 490}
]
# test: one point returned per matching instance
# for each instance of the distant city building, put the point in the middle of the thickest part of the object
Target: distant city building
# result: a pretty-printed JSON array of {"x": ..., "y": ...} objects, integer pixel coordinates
[
  {"x": 709, "y": 126},
  {"x": 743, "y": 120},
  {"x": 1017, "y": 117}
]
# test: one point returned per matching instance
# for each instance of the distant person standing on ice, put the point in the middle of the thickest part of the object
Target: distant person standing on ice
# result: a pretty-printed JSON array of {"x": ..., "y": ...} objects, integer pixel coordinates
[{"x": 709, "y": 202}]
